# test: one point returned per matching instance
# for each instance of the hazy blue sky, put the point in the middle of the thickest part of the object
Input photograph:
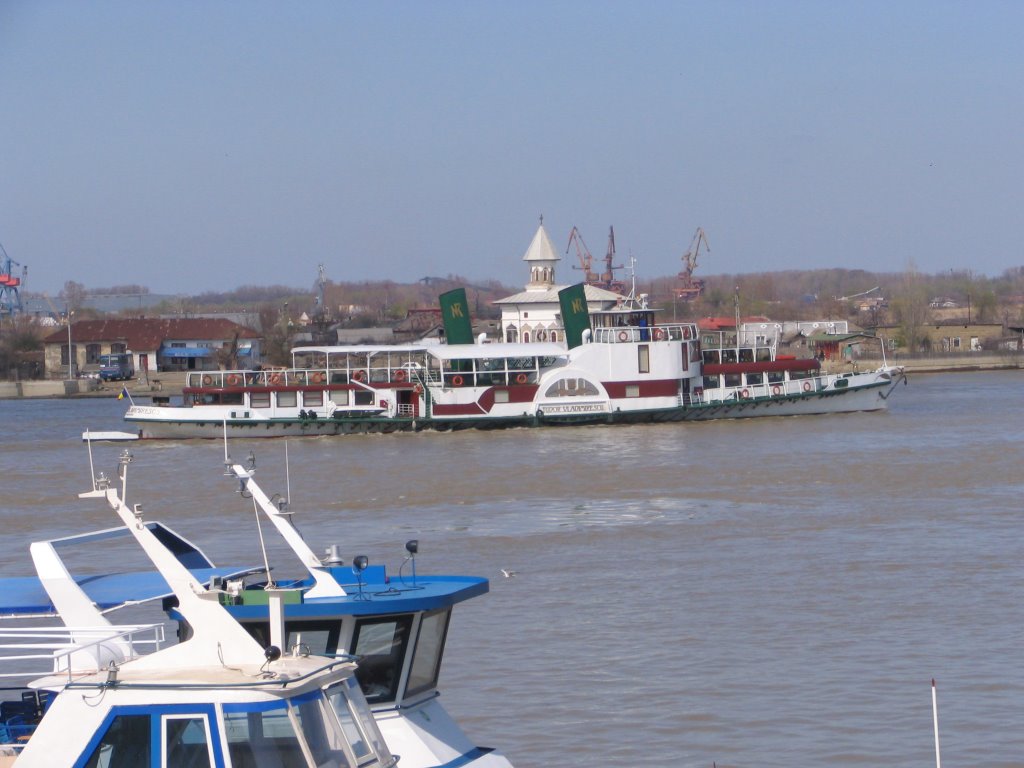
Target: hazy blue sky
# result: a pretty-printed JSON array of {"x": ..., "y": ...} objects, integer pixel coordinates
[{"x": 201, "y": 146}]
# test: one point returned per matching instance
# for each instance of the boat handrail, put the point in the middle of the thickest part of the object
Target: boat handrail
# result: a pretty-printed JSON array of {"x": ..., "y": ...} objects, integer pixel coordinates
[
  {"x": 53, "y": 647},
  {"x": 807, "y": 386},
  {"x": 624, "y": 334}
]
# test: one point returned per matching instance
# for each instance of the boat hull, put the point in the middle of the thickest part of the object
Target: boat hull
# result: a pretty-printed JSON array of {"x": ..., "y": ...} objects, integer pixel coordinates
[{"x": 200, "y": 422}]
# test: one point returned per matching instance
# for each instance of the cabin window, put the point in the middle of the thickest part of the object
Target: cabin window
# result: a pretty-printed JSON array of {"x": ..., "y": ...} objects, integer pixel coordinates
[
  {"x": 733, "y": 379},
  {"x": 728, "y": 355},
  {"x": 287, "y": 400},
  {"x": 261, "y": 738},
  {"x": 776, "y": 377},
  {"x": 318, "y": 638},
  {"x": 325, "y": 747},
  {"x": 712, "y": 382},
  {"x": 643, "y": 358},
  {"x": 755, "y": 379},
  {"x": 380, "y": 644},
  {"x": 187, "y": 741},
  {"x": 711, "y": 357},
  {"x": 632, "y": 390},
  {"x": 125, "y": 742},
  {"x": 426, "y": 659},
  {"x": 340, "y": 397},
  {"x": 313, "y": 398},
  {"x": 356, "y": 721},
  {"x": 746, "y": 355},
  {"x": 363, "y": 397},
  {"x": 259, "y": 399},
  {"x": 764, "y": 354},
  {"x": 501, "y": 396}
]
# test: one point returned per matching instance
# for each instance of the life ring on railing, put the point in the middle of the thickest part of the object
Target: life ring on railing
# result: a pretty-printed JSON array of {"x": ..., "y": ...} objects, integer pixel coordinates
[
  {"x": 807, "y": 386},
  {"x": 207, "y": 380},
  {"x": 659, "y": 334},
  {"x": 233, "y": 380},
  {"x": 456, "y": 380},
  {"x": 521, "y": 378},
  {"x": 418, "y": 390},
  {"x": 623, "y": 336},
  {"x": 399, "y": 375},
  {"x": 317, "y": 378},
  {"x": 275, "y": 378},
  {"x": 358, "y": 376},
  {"x": 776, "y": 389},
  {"x": 744, "y": 393}
]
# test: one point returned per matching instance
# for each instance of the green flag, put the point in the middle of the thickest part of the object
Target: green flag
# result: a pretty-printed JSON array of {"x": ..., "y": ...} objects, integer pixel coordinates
[
  {"x": 575, "y": 317},
  {"x": 455, "y": 315}
]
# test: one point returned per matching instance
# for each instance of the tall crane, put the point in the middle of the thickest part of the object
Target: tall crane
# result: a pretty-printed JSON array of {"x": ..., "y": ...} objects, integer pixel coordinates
[
  {"x": 10, "y": 298},
  {"x": 606, "y": 279},
  {"x": 688, "y": 287}
]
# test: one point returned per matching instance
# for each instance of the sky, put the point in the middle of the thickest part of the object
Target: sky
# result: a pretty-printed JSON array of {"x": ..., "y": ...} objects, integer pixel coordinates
[{"x": 202, "y": 146}]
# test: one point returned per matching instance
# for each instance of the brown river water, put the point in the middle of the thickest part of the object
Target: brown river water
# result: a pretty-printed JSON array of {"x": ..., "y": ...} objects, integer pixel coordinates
[{"x": 773, "y": 592}]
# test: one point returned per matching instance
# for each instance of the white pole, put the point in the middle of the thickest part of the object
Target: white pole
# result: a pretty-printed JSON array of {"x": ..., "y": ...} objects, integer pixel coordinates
[
  {"x": 71, "y": 369},
  {"x": 935, "y": 721}
]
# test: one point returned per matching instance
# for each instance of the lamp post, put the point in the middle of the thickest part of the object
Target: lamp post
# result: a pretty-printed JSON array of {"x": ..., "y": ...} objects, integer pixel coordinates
[{"x": 71, "y": 364}]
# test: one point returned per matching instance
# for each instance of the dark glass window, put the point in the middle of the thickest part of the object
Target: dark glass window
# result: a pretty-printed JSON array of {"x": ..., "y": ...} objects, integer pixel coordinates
[
  {"x": 380, "y": 645},
  {"x": 126, "y": 744}
]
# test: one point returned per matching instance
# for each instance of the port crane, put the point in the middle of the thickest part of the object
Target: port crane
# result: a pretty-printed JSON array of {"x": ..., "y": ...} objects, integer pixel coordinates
[
  {"x": 10, "y": 297},
  {"x": 689, "y": 287},
  {"x": 606, "y": 279}
]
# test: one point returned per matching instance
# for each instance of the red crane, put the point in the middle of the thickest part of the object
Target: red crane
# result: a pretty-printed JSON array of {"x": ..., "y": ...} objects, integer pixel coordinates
[{"x": 688, "y": 287}]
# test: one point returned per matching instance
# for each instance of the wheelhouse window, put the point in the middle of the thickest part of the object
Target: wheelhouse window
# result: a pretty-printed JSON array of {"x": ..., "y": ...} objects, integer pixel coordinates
[
  {"x": 426, "y": 660},
  {"x": 125, "y": 742},
  {"x": 187, "y": 741},
  {"x": 261, "y": 738},
  {"x": 356, "y": 722},
  {"x": 380, "y": 645}
]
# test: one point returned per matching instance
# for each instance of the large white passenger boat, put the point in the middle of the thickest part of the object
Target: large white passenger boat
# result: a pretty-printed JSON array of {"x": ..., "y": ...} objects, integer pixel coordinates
[{"x": 620, "y": 366}]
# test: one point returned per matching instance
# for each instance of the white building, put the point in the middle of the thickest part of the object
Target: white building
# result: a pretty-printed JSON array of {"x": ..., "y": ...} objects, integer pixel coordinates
[{"x": 534, "y": 314}]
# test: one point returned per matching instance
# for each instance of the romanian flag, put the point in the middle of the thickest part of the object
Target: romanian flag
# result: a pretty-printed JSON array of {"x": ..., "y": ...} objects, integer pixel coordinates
[{"x": 124, "y": 394}]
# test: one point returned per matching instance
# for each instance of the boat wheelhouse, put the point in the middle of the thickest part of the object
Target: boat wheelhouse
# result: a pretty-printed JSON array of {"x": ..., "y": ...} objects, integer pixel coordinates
[{"x": 218, "y": 699}]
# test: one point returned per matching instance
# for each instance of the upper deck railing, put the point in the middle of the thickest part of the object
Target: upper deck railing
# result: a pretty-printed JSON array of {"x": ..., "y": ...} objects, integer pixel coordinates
[{"x": 625, "y": 334}]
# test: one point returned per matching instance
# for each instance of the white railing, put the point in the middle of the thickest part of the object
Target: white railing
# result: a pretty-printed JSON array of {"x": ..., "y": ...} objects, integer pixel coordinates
[
  {"x": 808, "y": 386},
  {"x": 625, "y": 334},
  {"x": 38, "y": 651}
]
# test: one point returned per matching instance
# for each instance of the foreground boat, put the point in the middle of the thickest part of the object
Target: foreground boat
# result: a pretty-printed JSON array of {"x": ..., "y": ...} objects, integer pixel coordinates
[
  {"x": 217, "y": 699},
  {"x": 395, "y": 626},
  {"x": 619, "y": 366}
]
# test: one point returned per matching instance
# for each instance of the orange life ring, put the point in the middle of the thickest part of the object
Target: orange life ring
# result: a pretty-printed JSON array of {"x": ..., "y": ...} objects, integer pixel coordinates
[
  {"x": 358, "y": 375},
  {"x": 807, "y": 386},
  {"x": 418, "y": 389},
  {"x": 233, "y": 380},
  {"x": 399, "y": 375},
  {"x": 744, "y": 393},
  {"x": 207, "y": 380},
  {"x": 776, "y": 389},
  {"x": 275, "y": 378},
  {"x": 659, "y": 334},
  {"x": 456, "y": 380},
  {"x": 521, "y": 378},
  {"x": 317, "y": 378},
  {"x": 623, "y": 336}
]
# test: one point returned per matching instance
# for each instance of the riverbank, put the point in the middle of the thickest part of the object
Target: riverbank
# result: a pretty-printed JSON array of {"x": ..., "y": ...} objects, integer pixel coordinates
[{"x": 170, "y": 384}]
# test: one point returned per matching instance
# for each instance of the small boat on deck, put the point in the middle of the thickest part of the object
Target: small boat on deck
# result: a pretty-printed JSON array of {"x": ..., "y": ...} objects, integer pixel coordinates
[
  {"x": 394, "y": 626},
  {"x": 619, "y": 365}
]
